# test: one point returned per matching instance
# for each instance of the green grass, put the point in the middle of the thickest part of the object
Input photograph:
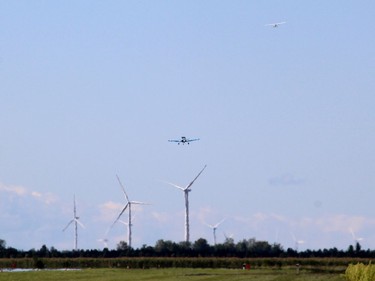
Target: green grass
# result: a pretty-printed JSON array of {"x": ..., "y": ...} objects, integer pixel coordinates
[{"x": 173, "y": 274}]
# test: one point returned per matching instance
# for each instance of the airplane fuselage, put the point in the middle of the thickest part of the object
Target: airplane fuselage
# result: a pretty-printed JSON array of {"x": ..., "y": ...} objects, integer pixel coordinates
[{"x": 183, "y": 140}]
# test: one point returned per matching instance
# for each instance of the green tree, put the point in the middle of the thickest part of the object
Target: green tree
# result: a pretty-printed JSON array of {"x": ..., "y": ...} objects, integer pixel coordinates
[
  {"x": 2, "y": 244},
  {"x": 43, "y": 252},
  {"x": 201, "y": 247},
  {"x": 122, "y": 246}
]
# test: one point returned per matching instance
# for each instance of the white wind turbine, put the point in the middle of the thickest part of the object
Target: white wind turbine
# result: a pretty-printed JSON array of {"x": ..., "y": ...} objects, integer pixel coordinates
[
  {"x": 104, "y": 241},
  {"x": 128, "y": 204},
  {"x": 229, "y": 240},
  {"x": 186, "y": 191},
  {"x": 356, "y": 239},
  {"x": 297, "y": 242},
  {"x": 214, "y": 227},
  {"x": 76, "y": 221}
]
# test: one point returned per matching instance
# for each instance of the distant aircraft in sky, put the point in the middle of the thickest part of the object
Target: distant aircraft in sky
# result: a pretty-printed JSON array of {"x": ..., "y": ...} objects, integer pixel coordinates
[
  {"x": 183, "y": 140},
  {"x": 274, "y": 25}
]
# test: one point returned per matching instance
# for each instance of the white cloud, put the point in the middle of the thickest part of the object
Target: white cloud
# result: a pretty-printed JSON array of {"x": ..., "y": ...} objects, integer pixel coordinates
[
  {"x": 109, "y": 210},
  {"x": 47, "y": 198},
  {"x": 36, "y": 194},
  {"x": 18, "y": 190},
  {"x": 342, "y": 223},
  {"x": 161, "y": 217}
]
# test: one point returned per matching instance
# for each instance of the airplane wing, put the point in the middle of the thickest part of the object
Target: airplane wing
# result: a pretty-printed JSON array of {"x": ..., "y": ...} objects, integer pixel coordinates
[
  {"x": 189, "y": 140},
  {"x": 275, "y": 24},
  {"x": 174, "y": 140}
]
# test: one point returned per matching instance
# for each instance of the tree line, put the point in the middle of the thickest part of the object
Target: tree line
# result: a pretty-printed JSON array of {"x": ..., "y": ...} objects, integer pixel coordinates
[{"x": 246, "y": 248}]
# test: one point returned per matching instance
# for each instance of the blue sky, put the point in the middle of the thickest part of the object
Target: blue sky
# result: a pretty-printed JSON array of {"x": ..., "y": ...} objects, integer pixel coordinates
[{"x": 91, "y": 89}]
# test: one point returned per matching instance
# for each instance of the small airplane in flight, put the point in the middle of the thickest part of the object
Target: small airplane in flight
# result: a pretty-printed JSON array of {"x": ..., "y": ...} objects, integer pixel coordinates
[
  {"x": 183, "y": 140},
  {"x": 274, "y": 25}
]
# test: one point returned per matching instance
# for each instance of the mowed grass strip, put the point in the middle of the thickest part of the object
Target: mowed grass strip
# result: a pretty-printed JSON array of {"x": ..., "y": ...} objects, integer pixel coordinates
[{"x": 173, "y": 274}]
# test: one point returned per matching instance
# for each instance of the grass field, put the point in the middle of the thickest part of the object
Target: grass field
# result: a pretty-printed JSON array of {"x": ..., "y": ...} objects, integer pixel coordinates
[{"x": 175, "y": 274}]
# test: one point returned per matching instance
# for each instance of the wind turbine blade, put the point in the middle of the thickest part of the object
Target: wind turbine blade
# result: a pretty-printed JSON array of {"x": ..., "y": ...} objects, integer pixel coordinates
[
  {"x": 123, "y": 210},
  {"x": 68, "y": 225},
  {"x": 209, "y": 225},
  {"x": 139, "y": 203},
  {"x": 123, "y": 189},
  {"x": 107, "y": 231},
  {"x": 81, "y": 224},
  {"x": 175, "y": 185},
  {"x": 190, "y": 184},
  {"x": 352, "y": 232},
  {"x": 217, "y": 225},
  {"x": 123, "y": 222}
]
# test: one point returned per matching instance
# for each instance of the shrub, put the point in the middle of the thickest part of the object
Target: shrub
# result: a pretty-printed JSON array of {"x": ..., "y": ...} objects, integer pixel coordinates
[{"x": 360, "y": 272}]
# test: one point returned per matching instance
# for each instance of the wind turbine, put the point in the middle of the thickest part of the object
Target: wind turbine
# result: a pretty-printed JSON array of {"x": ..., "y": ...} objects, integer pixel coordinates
[
  {"x": 356, "y": 239},
  {"x": 76, "y": 221},
  {"x": 186, "y": 191},
  {"x": 104, "y": 241},
  {"x": 128, "y": 204},
  {"x": 229, "y": 240},
  {"x": 297, "y": 242},
  {"x": 214, "y": 227}
]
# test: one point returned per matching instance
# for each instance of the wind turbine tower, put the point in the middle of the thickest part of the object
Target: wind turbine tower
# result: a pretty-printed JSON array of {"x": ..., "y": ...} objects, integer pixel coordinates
[
  {"x": 128, "y": 204},
  {"x": 186, "y": 191},
  {"x": 76, "y": 222}
]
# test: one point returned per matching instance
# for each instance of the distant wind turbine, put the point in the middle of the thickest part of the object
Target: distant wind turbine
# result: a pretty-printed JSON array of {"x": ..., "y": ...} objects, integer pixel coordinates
[
  {"x": 104, "y": 241},
  {"x": 76, "y": 221},
  {"x": 229, "y": 238},
  {"x": 128, "y": 204},
  {"x": 297, "y": 242},
  {"x": 186, "y": 191},
  {"x": 356, "y": 239},
  {"x": 214, "y": 227}
]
